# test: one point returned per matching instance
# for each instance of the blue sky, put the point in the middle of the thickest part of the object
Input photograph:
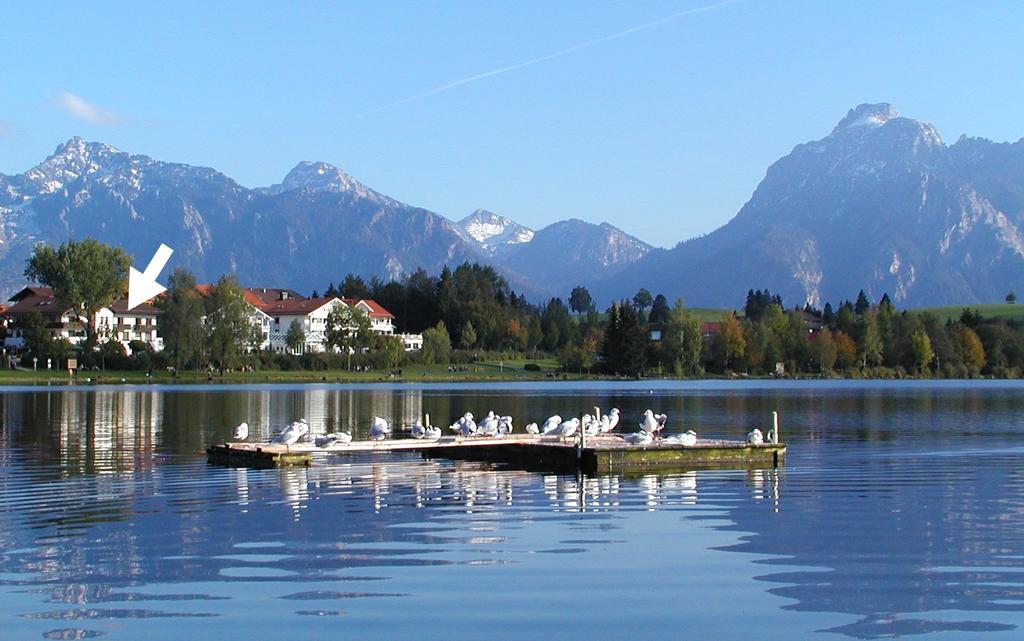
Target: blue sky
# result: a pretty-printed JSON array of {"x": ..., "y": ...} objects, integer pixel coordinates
[{"x": 663, "y": 131}]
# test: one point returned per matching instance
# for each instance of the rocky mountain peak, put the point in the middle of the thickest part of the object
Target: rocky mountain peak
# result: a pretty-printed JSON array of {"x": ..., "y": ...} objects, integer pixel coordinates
[
  {"x": 493, "y": 230},
  {"x": 70, "y": 161},
  {"x": 869, "y": 115},
  {"x": 322, "y": 176}
]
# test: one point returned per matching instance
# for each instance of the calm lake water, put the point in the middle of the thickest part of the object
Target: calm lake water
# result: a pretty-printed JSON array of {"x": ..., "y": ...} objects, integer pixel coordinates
[{"x": 900, "y": 512}]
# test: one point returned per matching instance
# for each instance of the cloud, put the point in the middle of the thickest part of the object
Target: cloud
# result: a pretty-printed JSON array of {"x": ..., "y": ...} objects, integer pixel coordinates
[
  {"x": 78, "y": 107},
  {"x": 559, "y": 54}
]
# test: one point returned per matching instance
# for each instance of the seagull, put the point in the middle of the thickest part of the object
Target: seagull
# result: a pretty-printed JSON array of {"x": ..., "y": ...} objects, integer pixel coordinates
[
  {"x": 687, "y": 438},
  {"x": 486, "y": 427},
  {"x": 590, "y": 425},
  {"x": 505, "y": 425},
  {"x": 342, "y": 437},
  {"x": 754, "y": 437},
  {"x": 567, "y": 428},
  {"x": 379, "y": 429},
  {"x": 431, "y": 433},
  {"x": 639, "y": 438},
  {"x": 662, "y": 419},
  {"x": 551, "y": 424},
  {"x": 242, "y": 432},
  {"x": 418, "y": 431},
  {"x": 290, "y": 435},
  {"x": 325, "y": 441},
  {"x": 465, "y": 425},
  {"x": 489, "y": 425},
  {"x": 532, "y": 428},
  {"x": 613, "y": 420},
  {"x": 649, "y": 423}
]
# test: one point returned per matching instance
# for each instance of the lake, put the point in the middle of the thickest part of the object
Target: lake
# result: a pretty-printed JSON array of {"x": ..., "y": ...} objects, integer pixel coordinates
[{"x": 900, "y": 512}]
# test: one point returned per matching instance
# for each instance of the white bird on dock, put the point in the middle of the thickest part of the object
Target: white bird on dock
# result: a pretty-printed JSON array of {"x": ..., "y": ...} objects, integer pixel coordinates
[
  {"x": 613, "y": 420},
  {"x": 242, "y": 432},
  {"x": 532, "y": 428},
  {"x": 325, "y": 441},
  {"x": 431, "y": 433},
  {"x": 342, "y": 437},
  {"x": 379, "y": 429},
  {"x": 489, "y": 425},
  {"x": 417, "y": 429},
  {"x": 639, "y": 438},
  {"x": 590, "y": 425},
  {"x": 551, "y": 424},
  {"x": 662, "y": 420},
  {"x": 291, "y": 434},
  {"x": 649, "y": 423},
  {"x": 505, "y": 425},
  {"x": 755, "y": 437},
  {"x": 465, "y": 426},
  {"x": 567, "y": 428},
  {"x": 687, "y": 438}
]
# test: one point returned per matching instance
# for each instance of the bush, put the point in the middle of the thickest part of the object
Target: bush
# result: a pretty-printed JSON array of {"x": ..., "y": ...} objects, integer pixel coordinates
[{"x": 532, "y": 367}]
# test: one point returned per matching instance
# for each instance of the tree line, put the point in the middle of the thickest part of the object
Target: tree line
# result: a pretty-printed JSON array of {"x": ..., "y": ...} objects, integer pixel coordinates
[{"x": 471, "y": 311}]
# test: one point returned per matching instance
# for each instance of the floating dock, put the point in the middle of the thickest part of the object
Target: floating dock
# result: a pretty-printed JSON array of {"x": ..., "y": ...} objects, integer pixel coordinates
[{"x": 597, "y": 454}]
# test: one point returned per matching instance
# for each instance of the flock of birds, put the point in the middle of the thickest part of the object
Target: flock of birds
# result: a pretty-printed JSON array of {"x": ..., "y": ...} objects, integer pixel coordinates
[{"x": 650, "y": 428}]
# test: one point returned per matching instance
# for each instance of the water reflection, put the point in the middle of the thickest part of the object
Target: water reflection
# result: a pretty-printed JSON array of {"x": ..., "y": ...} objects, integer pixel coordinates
[{"x": 896, "y": 515}]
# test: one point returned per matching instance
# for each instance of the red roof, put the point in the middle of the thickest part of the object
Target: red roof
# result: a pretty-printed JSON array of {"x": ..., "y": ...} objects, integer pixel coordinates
[
  {"x": 33, "y": 303},
  {"x": 33, "y": 290},
  {"x": 375, "y": 309},
  {"x": 711, "y": 327},
  {"x": 206, "y": 290}
]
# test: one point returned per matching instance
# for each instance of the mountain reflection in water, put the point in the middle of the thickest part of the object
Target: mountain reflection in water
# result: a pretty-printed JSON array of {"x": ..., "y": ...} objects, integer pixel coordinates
[{"x": 899, "y": 513}]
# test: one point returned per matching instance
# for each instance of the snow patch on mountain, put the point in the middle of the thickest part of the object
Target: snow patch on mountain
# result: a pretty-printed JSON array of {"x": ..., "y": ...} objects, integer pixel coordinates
[{"x": 494, "y": 231}]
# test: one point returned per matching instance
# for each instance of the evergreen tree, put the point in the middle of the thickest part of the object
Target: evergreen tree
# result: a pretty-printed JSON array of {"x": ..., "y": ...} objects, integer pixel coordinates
[
  {"x": 354, "y": 287},
  {"x": 862, "y": 305},
  {"x": 828, "y": 317},
  {"x": 660, "y": 309}
]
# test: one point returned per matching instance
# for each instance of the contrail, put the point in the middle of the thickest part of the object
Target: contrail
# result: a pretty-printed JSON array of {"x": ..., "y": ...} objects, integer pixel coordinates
[{"x": 557, "y": 54}]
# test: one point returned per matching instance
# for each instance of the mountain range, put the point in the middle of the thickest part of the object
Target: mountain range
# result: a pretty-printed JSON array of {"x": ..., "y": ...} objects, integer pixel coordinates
[
  {"x": 311, "y": 229},
  {"x": 881, "y": 204}
]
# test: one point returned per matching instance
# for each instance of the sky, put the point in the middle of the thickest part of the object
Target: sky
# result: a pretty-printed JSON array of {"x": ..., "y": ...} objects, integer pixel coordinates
[{"x": 658, "y": 117}]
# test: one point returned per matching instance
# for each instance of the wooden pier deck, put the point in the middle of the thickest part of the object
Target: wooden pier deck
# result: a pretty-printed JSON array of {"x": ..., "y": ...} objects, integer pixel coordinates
[{"x": 599, "y": 454}]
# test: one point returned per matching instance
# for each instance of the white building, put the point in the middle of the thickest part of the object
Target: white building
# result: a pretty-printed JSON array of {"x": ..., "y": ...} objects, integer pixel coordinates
[{"x": 114, "y": 322}]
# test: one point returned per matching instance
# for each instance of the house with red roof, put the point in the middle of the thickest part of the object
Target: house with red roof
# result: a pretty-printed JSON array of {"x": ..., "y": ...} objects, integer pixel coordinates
[{"x": 114, "y": 322}]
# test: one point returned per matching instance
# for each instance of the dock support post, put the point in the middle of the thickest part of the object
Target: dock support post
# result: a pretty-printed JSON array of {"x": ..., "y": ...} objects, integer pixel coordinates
[
  {"x": 581, "y": 444},
  {"x": 775, "y": 427}
]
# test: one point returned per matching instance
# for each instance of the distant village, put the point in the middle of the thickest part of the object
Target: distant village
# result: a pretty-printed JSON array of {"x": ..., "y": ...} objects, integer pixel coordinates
[{"x": 272, "y": 311}]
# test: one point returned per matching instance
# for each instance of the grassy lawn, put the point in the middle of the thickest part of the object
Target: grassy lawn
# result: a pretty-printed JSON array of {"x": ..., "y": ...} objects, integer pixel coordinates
[
  {"x": 709, "y": 314},
  {"x": 508, "y": 370},
  {"x": 1002, "y": 310}
]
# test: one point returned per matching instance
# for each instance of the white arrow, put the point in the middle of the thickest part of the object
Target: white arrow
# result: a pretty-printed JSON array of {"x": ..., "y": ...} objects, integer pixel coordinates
[{"x": 143, "y": 286}]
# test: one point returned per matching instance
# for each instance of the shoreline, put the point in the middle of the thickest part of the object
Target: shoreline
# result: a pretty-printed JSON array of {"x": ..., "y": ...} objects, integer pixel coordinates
[{"x": 51, "y": 379}]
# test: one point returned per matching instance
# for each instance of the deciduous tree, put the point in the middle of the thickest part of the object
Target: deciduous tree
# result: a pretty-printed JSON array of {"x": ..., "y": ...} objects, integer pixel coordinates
[{"x": 85, "y": 275}]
